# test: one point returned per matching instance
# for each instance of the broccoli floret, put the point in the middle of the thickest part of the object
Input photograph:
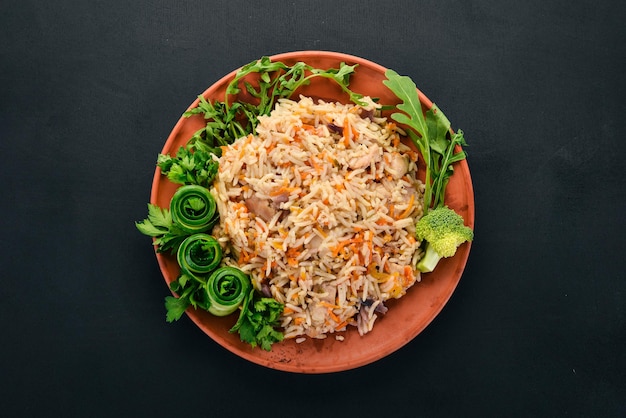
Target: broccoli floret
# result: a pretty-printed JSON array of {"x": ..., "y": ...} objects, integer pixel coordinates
[{"x": 443, "y": 230}]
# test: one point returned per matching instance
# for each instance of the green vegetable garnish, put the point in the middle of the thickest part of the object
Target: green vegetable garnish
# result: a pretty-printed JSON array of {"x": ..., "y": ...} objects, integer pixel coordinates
[
  {"x": 444, "y": 231},
  {"x": 159, "y": 224},
  {"x": 227, "y": 288},
  {"x": 430, "y": 132},
  {"x": 199, "y": 255},
  {"x": 189, "y": 166},
  {"x": 258, "y": 321},
  {"x": 228, "y": 121},
  {"x": 202, "y": 283},
  {"x": 193, "y": 209}
]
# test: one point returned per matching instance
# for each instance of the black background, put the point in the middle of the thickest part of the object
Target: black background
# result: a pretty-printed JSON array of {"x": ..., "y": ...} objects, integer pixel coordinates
[{"x": 90, "y": 91}]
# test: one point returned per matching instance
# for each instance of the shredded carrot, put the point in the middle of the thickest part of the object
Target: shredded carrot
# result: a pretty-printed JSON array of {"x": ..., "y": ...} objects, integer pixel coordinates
[
  {"x": 408, "y": 209},
  {"x": 294, "y": 252},
  {"x": 379, "y": 276},
  {"x": 261, "y": 225},
  {"x": 340, "y": 245},
  {"x": 243, "y": 257},
  {"x": 282, "y": 189},
  {"x": 409, "y": 275},
  {"x": 247, "y": 141},
  {"x": 341, "y": 325},
  {"x": 396, "y": 141},
  {"x": 319, "y": 168},
  {"x": 321, "y": 232},
  {"x": 333, "y": 316},
  {"x": 298, "y": 320},
  {"x": 408, "y": 271},
  {"x": 270, "y": 147},
  {"x": 327, "y": 305},
  {"x": 347, "y": 132},
  {"x": 240, "y": 206}
]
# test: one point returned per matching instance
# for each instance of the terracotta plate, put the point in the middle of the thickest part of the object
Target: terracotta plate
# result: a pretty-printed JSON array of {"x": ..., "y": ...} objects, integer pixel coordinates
[{"x": 406, "y": 317}]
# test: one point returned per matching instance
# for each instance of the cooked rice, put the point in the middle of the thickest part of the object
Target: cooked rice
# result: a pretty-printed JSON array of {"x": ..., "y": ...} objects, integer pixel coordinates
[{"x": 320, "y": 208}]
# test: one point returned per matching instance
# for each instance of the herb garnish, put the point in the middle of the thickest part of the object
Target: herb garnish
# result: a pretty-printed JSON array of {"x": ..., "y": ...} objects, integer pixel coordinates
[
  {"x": 430, "y": 132},
  {"x": 228, "y": 121}
]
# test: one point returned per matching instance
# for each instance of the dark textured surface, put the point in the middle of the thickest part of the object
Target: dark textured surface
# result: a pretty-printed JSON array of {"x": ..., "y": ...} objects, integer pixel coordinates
[{"x": 89, "y": 92}]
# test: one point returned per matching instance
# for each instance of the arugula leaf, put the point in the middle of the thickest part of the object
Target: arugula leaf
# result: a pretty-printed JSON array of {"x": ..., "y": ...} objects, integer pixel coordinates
[
  {"x": 226, "y": 121},
  {"x": 406, "y": 90},
  {"x": 430, "y": 132}
]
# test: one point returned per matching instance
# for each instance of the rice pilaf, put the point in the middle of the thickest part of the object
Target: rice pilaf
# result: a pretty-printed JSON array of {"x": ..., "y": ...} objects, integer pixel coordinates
[{"x": 319, "y": 208}]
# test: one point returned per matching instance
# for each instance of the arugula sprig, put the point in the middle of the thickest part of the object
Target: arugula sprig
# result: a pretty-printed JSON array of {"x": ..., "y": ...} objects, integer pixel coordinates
[
  {"x": 227, "y": 121},
  {"x": 430, "y": 132},
  {"x": 441, "y": 229}
]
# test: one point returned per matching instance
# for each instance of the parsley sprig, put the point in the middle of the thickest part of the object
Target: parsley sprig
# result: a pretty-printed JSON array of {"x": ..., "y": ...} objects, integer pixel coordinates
[
  {"x": 159, "y": 224},
  {"x": 258, "y": 321},
  {"x": 189, "y": 166}
]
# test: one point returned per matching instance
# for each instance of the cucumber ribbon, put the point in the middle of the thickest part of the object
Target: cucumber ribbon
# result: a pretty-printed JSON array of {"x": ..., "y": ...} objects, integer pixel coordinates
[
  {"x": 194, "y": 209},
  {"x": 226, "y": 288},
  {"x": 198, "y": 255}
]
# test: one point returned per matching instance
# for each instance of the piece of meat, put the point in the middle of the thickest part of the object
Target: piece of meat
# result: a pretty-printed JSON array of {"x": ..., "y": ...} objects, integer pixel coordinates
[{"x": 260, "y": 207}]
